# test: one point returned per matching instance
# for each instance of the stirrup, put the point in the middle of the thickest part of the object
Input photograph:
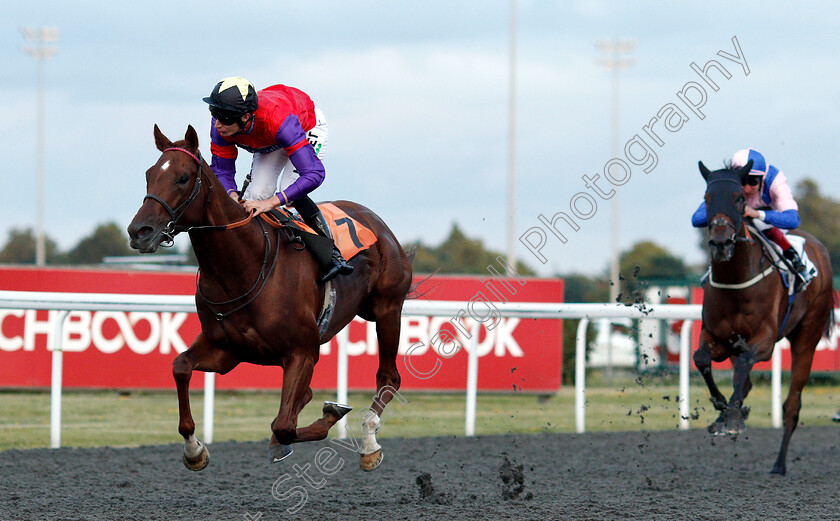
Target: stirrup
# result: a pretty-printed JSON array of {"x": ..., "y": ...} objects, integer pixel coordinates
[
  {"x": 339, "y": 267},
  {"x": 800, "y": 280}
]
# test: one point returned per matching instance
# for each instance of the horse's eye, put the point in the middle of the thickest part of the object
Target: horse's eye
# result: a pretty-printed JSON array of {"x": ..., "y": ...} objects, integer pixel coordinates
[{"x": 183, "y": 179}]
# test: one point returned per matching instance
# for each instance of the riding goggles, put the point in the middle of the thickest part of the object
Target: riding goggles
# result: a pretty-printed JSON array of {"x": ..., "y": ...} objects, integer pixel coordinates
[
  {"x": 224, "y": 117},
  {"x": 752, "y": 180}
]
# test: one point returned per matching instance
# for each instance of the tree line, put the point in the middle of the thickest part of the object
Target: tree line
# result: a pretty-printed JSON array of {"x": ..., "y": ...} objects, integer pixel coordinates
[{"x": 459, "y": 254}]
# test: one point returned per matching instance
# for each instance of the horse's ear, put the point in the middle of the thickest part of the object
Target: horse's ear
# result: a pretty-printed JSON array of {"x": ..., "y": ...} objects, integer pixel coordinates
[
  {"x": 744, "y": 171},
  {"x": 162, "y": 142},
  {"x": 703, "y": 170},
  {"x": 191, "y": 138}
]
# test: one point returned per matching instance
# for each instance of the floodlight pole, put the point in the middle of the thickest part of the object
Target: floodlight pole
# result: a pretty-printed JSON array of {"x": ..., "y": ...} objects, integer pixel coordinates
[
  {"x": 511, "y": 191},
  {"x": 39, "y": 37},
  {"x": 615, "y": 63}
]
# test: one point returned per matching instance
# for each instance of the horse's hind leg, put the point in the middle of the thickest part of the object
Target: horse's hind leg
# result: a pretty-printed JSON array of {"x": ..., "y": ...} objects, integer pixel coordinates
[
  {"x": 802, "y": 349},
  {"x": 204, "y": 357},
  {"x": 387, "y": 382},
  {"x": 297, "y": 375}
]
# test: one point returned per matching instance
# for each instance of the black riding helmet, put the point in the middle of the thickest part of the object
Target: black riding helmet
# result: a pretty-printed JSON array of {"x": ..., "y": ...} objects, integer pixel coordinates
[{"x": 231, "y": 98}]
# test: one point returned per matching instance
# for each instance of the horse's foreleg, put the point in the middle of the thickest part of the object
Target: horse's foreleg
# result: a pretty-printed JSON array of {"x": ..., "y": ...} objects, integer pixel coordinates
[
  {"x": 802, "y": 355},
  {"x": 735, "y": 412},
  {"x": 387, "y": 384},
  {"x": 297, "y": 375},
  {"x": 703, "y": 362},
  {"x": 204, "y": 357}
]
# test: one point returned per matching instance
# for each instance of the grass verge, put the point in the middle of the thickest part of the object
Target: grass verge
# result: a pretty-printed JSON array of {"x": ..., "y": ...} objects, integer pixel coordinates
[{"x": 119, "y": 418}]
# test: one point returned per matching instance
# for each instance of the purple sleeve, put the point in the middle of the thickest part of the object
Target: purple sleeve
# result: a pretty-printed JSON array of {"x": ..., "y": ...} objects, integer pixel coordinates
[
  {"x": 311, "y": 171},
  {"x": 290, "y": 132},
  {"x": 223, "y": 163},
  {"x": 225, "y": 170},
  {"x": 291, "y": 136}
]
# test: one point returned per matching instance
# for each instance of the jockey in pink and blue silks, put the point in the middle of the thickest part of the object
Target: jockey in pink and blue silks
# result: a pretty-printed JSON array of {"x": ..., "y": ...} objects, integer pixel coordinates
[
  {"x": 770, "y": 203},
  {"x": 278, "y": 125}
]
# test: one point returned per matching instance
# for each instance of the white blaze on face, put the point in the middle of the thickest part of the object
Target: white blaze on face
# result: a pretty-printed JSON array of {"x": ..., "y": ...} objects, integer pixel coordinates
[{"x": 165, "y": 165}]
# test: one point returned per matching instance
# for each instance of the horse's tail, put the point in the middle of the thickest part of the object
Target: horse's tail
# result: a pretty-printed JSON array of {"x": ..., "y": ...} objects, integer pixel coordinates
[
  {"x": 835, "y": 302},
  {"x": 417, "y": 289}
]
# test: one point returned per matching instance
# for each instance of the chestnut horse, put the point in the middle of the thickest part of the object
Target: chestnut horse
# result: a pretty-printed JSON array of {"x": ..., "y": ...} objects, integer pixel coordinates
[
  {"x": 745, "y": 308},
  {"x": 258, "y": 297}
]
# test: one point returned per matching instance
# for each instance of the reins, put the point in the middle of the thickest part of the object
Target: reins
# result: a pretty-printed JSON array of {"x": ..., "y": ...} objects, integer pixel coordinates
[
  {"x": 173, "y": 228},
  {"x": 747, "y": 237},
  {"x": 263, "y": 276}
]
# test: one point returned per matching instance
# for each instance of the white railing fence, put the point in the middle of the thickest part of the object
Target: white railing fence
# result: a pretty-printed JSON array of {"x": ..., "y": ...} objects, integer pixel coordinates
[{"x": 66, "y": 302}]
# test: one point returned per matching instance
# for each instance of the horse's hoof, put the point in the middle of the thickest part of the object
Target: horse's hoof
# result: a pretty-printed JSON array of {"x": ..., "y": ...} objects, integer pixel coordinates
[
  {"x": 370, "y": 461},
  {"x": 716, "y": 429},
  {"x": 198, "y": 462},
  {"x": 279, "y": 452},
  {"x": 780, "y": 470},
  {"x": 336, "y": 409}
]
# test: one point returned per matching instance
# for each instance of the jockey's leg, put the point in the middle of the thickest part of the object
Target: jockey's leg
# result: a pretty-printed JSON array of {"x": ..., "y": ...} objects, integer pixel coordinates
[
  {"x": 313, "y": 217},
  {"x": 776, "y": 235},
  {"x": 265, "y": 169}
]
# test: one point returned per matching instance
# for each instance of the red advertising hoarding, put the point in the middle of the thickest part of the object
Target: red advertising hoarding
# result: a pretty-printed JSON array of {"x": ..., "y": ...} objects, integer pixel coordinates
[
  {"x": 826, "y": 357},
  {"x": 108, "y": 349}
]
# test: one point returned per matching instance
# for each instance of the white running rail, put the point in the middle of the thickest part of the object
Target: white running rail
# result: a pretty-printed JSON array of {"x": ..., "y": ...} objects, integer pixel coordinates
[{"x": 66, "y": 302}]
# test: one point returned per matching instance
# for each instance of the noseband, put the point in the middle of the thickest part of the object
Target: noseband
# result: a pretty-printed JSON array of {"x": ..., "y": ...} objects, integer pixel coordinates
[
  {"x": 729, "y": 222},
  {"x": 172, "y": 227}
]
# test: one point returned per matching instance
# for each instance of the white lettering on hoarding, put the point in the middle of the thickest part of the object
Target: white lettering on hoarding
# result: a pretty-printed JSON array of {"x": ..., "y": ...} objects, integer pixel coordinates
[
  {"x": 111, "y": 331},
  {"x": 6, "y": 343},
  {"x": 85, "y": 328},
  {"x": 32, "y": 327},
  {"x": 169, "y": 336},
  {"x": 76, "y": 334}
]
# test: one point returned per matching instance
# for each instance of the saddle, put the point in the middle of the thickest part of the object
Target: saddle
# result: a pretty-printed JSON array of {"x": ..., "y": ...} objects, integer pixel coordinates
[
  {"x": 299, "y": 233},
  {"x": 777, "y": 261},
  {"x": 349, "y": 235},
  {"x": 776, "y": 256}
]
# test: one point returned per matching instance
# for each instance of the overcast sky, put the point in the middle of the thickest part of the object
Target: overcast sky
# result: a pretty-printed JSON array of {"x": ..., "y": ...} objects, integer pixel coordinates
[{"x": 416, "y": 96}]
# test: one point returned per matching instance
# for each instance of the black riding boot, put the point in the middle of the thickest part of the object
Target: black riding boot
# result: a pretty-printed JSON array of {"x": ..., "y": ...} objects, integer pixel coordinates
[
  {"x": 799, "y": 267},
  {"x": 313, "y": 217}
]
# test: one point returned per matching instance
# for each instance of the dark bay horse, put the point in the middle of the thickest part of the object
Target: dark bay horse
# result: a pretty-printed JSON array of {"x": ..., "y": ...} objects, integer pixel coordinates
[
  {"x": 258, "y": 297},
  {"x": 744, "y": 308}
]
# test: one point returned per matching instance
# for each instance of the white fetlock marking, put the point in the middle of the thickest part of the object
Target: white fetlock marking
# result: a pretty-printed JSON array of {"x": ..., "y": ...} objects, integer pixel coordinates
[
  {"x": 192, "y": 447},
  {"x": 370, "y": 424}
]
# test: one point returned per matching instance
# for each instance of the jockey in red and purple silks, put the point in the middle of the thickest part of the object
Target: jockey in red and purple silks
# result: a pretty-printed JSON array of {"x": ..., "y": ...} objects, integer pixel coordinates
[
  {"x": 278, "y": 124},
  {"x": 769, "y": 202}
]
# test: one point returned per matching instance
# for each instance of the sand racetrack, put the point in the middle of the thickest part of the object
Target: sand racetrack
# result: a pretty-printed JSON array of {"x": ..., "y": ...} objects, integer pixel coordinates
[{"x": 602, "y": 476}]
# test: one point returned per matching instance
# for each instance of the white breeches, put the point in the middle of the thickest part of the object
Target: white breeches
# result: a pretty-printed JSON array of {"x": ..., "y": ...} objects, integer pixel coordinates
[{"x": 267, "y": 168}]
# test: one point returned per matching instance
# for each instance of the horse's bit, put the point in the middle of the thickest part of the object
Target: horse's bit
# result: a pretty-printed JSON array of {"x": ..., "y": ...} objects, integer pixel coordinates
[{"x": 172, "y": 227}]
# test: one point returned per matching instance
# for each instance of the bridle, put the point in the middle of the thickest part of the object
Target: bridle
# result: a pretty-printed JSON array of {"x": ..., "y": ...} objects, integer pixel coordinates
[
  {"x": 720, "y": 221},
  {"x": 172, "y": 228}
]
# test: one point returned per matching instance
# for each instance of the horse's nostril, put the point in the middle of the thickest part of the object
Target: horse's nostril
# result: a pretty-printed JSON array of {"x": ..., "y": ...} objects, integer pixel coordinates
[{"x": 143, "y": 232}]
